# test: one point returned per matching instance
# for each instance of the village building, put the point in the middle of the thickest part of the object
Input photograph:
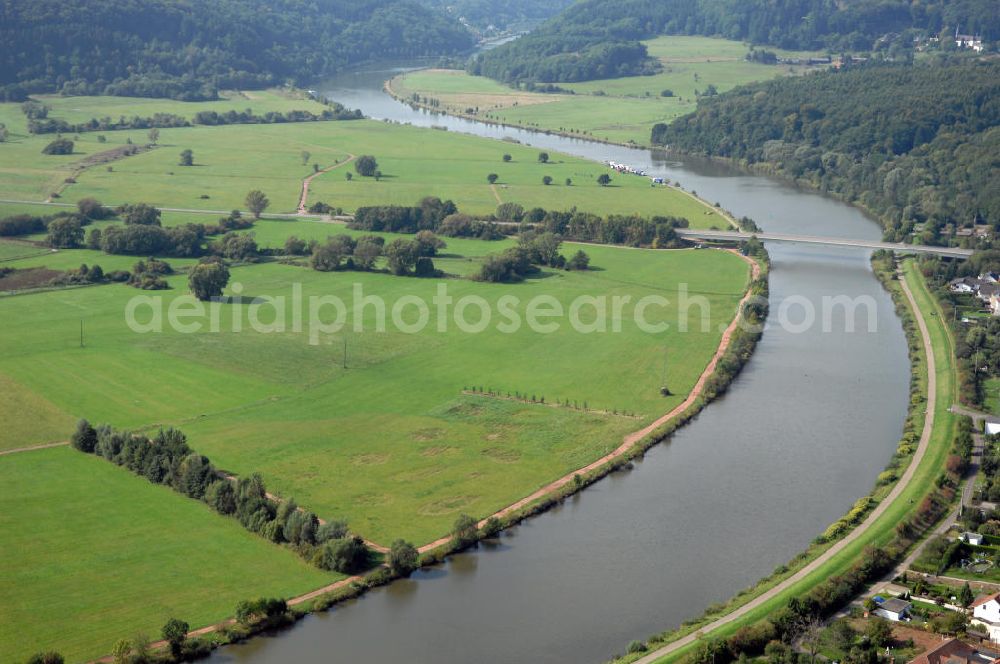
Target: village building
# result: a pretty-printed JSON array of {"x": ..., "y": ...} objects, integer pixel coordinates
[
  {"x": 986, "y": 614},
  {"x": 953, "y": 651}
]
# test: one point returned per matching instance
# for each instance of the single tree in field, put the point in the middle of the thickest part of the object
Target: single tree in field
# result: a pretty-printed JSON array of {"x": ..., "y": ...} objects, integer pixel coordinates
[
  {"x": 579, "y": 261},
  {"x": 154, "y": 135},
  {"x": 174, "y": 633},
  {"x": 466, "y": 530},
  {"x": 492, "y": 178},
  {"x": 507, "y": 157},
  {"x": 543, "y": 157},
  {"x": 257, "y": 202},
  {"x": 547, "y": 180},
  {"x": 349, "y": 176},
  {"x": 604, "y": 179},
  {"x": 187, "y": 158},
  {"x": 569, "y": 182},
  {"x": 207, "y": 279},
  {"x": 378, "y": 175},
  {"x": 305, "y": 157},
  {"x": 403, "y": 557},
  {"x": 366, "y": 165}
]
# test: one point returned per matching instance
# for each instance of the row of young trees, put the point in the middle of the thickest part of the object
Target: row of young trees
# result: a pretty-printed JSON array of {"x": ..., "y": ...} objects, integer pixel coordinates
[{"x": 167, "y": 459}]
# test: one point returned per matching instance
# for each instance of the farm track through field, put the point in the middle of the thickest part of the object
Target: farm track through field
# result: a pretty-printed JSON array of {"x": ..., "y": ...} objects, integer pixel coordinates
[
  {"x": 304, "y": 197},
  {"x": 855, "y": 534},
  {"x": 32, "y": 448}
]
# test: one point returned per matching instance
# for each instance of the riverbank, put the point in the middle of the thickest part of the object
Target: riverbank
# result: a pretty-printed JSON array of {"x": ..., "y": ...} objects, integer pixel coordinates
[{"x": 934, "y": 373}]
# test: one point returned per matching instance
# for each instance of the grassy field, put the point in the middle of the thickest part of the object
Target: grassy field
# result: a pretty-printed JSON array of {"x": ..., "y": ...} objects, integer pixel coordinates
[
  {"x": 621, "y": 110},
  {"x": 883, "y": 530},
  {"x": 231, "y": 160},
  {"x": 390, "y": 443},
  {"x": 81, "y": 109},
  {"x": 93, "y": 554}
]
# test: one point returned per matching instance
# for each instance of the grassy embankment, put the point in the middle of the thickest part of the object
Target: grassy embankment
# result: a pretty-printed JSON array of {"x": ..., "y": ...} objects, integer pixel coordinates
[
  {"x": 883, "y": 529},
  {"x": 620, "y": 110},
  {"x": 230, "y": 160},
  {"x": 93, "y": 553}
]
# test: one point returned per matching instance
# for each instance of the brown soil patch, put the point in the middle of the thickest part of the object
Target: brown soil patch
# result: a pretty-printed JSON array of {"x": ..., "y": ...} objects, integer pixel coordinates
[
  {"x": 425, "y": 435},
  {"x": 437, "y": 450},
  {"x": 447, "y": 505},
  {"x": 369, "y": 459},
  {"x": 32, "y": 277},
  {"x": 502, "y": 455},
  {"x": 373, "y": 499}
]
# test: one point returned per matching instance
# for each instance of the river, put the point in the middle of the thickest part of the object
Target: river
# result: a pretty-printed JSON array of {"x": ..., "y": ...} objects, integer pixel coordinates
[{"x": 803, "y": 432}]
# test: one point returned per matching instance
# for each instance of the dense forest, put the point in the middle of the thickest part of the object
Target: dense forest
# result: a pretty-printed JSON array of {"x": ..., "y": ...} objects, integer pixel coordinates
[
  {"x": 595, "y": 39},
  {"x": 917, "y": 145},
  {"x": 187, "y": 49},
  {"x": 489, "y": 16}
]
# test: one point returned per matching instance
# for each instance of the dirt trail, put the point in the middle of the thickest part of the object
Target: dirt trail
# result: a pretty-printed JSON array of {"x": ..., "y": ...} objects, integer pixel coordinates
[
  {"x": 631, "y": 439},
  {"x": 496, "y": 194},
  {"x": 855, "y": 534},
  {"x": 304, "y": 196},
  {"x": 31, "y": 448}
]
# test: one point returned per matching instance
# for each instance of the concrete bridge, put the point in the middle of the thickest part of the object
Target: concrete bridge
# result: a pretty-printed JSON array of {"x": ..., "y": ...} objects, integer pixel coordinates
[{"x": 693, "y": 234}]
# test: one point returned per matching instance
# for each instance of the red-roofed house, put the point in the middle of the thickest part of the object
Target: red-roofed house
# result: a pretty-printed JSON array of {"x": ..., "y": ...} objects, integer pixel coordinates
[
  {"x": 954, "y": 651},
  {"x": 986, "y": 613}
]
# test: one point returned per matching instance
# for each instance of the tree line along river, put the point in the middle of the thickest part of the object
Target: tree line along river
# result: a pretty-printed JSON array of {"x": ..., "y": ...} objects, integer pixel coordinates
[{"x": 802, "y": 433}]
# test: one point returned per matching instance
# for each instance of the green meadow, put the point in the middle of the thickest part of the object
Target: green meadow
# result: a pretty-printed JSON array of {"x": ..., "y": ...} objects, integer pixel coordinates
[
  {"x": 93, "y": 554},
  {"x": 231, "y": 160},
  {"x": 621, "y": 110},
  {"x": 391, "y": 443}
]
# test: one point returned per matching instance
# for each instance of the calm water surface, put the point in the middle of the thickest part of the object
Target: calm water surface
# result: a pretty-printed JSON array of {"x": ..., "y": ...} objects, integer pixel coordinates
[{"x": 802, "y": 433}]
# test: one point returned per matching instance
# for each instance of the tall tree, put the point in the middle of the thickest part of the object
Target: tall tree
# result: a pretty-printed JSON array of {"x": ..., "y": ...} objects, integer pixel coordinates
[{"x": 257, "y": 202}]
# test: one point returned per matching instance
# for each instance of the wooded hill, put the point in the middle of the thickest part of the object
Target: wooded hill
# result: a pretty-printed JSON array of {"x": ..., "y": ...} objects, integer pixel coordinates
[
  {"x": 596, "y": 39},
  {"x": 187, "y": 49},
  {"x": 914, "y": 144}
]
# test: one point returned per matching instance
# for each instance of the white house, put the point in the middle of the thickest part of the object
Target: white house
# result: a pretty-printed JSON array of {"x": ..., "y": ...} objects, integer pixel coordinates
[
  {"x": 975, "y": 539},
  {"x": 893, "y": 609},
  {"x": 969, "y": 41},
  {"x": 986, "y": 613},
  {"x": 963, "y": 285}
]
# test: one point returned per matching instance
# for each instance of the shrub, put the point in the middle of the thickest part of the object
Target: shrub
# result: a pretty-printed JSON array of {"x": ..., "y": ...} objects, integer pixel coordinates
[
  {"x": 465, "y": 531},
  {"x": 59, "y": 146},
  {"x": 403, "y": 557}
]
